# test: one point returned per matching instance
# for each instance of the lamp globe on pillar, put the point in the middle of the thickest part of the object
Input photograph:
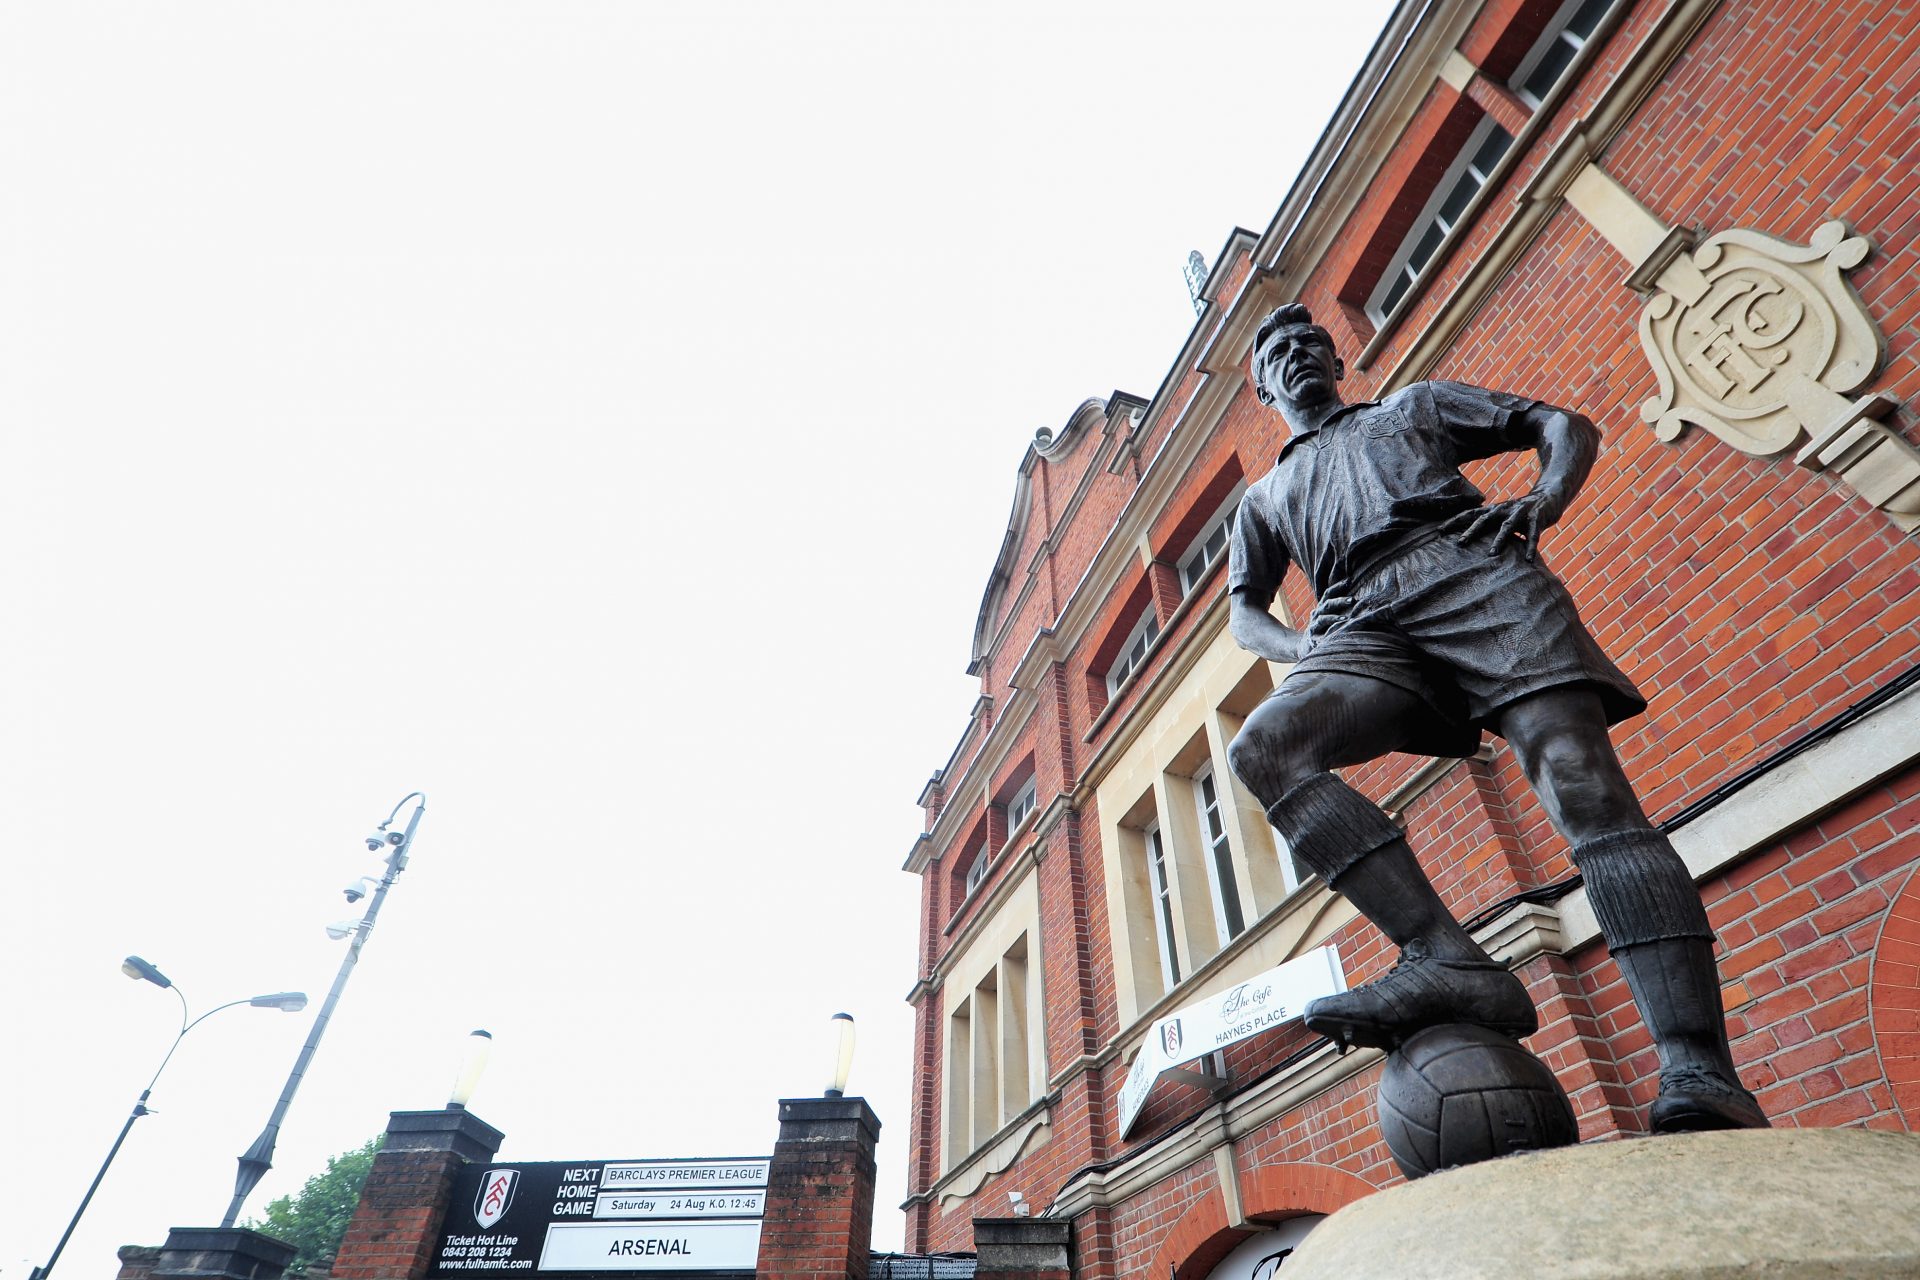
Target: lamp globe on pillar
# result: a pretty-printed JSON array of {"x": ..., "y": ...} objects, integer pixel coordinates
[
  {"x": 472, "y": 1065},
  {"x": 842, "y": 1055}
]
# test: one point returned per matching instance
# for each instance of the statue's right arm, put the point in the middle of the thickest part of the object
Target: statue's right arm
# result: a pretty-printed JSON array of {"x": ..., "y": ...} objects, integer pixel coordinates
[{"x": 1250, "y": 619}]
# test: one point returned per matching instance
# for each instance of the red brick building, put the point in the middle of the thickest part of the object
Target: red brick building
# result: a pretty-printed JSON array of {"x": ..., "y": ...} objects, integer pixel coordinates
[{"x": 1694, "y": 220}]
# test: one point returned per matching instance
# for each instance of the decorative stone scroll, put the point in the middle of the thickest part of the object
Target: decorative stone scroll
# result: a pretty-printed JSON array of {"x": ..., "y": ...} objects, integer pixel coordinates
[
  {"x": 1758, "y": 339},
  {"x": 1762, "y": 342}
]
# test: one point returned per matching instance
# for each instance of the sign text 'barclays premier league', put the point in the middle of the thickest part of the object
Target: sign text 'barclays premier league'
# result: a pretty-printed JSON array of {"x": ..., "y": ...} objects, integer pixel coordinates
[
  {"x": 1227, "y": 1017},
  {"x": 605, "y": 1215}
]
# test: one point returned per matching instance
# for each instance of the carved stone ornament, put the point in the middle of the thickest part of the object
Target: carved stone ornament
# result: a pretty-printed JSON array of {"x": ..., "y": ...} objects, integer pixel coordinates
[
  {"x": 1762, "y": 341},
  {"x": 1757, "y": 339}
]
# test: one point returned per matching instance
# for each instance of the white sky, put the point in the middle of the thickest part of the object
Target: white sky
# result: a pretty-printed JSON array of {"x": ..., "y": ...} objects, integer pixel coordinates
[{"x": 600, "y": 416}]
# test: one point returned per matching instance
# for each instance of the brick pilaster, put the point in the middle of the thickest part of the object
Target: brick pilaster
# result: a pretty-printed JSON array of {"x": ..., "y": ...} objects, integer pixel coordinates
[
  {"x": 395, "y": 1225},
  {"x": 819, "y": 1216},
  {"x": 1023, "y": 1248}
]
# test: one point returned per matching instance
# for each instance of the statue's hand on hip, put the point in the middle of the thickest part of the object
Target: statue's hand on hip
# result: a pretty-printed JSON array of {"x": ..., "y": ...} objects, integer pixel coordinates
[
  {"x": 1328, "y": 615},
  {"x": 1528, "y": 517}
]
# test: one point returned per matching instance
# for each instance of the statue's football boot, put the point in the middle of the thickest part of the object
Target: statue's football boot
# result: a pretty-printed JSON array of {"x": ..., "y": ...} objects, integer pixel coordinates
[
  {"x": 1693, "y": 1098},
  {"x": 1421, "y": 991}
]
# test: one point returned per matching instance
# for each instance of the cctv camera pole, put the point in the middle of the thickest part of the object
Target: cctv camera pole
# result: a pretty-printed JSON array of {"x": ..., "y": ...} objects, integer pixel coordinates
[{"x": 259, "y": 1157}]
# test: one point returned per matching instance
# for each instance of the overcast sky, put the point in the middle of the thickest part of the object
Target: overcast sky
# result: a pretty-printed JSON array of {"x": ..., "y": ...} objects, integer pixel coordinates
[{"x": 602, "y": 417}]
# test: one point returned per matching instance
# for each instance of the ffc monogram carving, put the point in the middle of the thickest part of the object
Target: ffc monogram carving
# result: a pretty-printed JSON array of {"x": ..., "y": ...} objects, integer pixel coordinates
[{"x": 1754, "y": 338}]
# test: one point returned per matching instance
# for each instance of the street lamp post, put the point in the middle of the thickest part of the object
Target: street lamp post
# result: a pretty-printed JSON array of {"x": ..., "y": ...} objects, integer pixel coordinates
[
  {"x": 138, "y": 969},
  {"x": 259, "y": 1157}
]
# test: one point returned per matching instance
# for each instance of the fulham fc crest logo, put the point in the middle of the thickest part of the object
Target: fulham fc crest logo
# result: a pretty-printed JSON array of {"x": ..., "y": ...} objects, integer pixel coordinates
[
  {"x": 495, "y": 1196},
  {"x": 1170, "y": 1038}
]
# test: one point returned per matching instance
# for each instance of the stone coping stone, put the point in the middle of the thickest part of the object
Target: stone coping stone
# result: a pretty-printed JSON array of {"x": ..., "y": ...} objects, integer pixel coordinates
[{"x": 1706, "y": 1206}]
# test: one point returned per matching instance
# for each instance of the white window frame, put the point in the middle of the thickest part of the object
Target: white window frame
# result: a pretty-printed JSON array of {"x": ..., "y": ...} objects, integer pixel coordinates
[
  {"x": 1160, "y": 887},
  {"x": 977, "y": 869},
  {"x": 1134, "y": 652},
  {"x": 1222, "y": 880},
  {"x": 1198, "y": 558},
  {"x": 1461, "y": 167},
  {"x": 1021, "y": 807},
  {"x": 1560, "y": 31}
]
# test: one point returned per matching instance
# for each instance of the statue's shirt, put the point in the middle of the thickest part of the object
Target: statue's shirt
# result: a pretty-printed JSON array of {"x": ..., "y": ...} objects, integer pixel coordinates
[{"x": 1370, "y": 478}]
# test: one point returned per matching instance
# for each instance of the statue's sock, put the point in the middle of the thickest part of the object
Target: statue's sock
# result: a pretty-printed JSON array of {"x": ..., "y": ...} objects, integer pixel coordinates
[
  {"x": 1342, "y": 837},
  {"x": 1650, "y": 914},
  {"x": 1640, "y": 889},
  {"x": 1328, "y": 825}
]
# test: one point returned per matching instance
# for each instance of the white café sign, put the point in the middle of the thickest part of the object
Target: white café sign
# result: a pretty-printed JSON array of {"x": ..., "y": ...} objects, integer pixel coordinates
[{"x": 1227, "y": 1017}]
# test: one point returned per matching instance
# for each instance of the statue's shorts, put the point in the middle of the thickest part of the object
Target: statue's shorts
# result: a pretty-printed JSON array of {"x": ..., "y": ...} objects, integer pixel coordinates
[{"x": 1468, "y": 633}]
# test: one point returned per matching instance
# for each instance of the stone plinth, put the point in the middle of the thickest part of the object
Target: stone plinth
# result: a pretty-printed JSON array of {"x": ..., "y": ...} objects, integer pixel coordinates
[
  {"x": 1781, "y": 1202},
  {"x": 1023, "y": 1248}
]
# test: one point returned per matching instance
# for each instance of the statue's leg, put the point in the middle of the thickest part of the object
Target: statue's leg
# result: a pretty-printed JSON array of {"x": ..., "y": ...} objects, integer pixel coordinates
[
  {"x": 1646, "y": 902},
  {"x": 1283, "y": 754}
]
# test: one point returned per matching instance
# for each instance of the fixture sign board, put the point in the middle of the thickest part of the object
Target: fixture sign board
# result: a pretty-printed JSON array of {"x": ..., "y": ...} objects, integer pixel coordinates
[
  {"x": 659, "y": 1175},
  {"x": 662, "y": 1216},
  {"x": 1238, "y": 1013},
  {"x": 679, "y": 1204},
  {"x": 652, "y": 1246}
]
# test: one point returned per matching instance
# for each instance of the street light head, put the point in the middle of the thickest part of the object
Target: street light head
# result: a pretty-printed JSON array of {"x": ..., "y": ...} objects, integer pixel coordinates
[
  {"x": 135, "y": 967},
  {"x": 285, "y": 1001},
  {"x": 341, "y": 929}
]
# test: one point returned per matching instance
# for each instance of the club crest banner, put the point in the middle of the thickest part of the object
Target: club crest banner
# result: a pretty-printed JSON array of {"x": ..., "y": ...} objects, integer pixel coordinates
[{"x": 1227, "y": 1017}]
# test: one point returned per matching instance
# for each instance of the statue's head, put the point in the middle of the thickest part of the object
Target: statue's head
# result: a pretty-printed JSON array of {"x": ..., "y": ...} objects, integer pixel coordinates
[{"x": 1293, "y": 358}]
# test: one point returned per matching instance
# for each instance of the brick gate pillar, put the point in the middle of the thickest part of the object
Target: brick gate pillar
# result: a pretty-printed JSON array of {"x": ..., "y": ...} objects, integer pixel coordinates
[
  {"x": 397, "y": 1222},
  {"x": 819, "y": 1216}
]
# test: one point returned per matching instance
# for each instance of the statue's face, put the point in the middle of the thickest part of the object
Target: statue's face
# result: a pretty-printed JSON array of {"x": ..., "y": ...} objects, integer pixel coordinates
[{"x": 1297, "y": 365}]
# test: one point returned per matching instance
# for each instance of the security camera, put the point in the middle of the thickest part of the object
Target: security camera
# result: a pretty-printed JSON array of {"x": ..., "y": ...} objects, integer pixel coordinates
[
  {"x": 376, "y": 842},
  {"x": 356, "y": 890}
]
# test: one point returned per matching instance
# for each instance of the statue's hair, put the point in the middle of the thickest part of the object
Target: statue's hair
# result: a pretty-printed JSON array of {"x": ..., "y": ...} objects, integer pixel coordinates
[{"x": 1281, "y": 317}]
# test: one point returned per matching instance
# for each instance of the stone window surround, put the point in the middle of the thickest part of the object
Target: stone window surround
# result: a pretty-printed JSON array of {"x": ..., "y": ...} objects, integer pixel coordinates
[
  {"x": 977, "y": 958},
  {"x": 1148, "y": 780}
]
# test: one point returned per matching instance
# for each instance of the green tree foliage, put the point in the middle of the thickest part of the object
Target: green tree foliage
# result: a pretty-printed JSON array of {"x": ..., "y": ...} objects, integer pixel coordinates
[{"x": 314, "y": 1220}]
